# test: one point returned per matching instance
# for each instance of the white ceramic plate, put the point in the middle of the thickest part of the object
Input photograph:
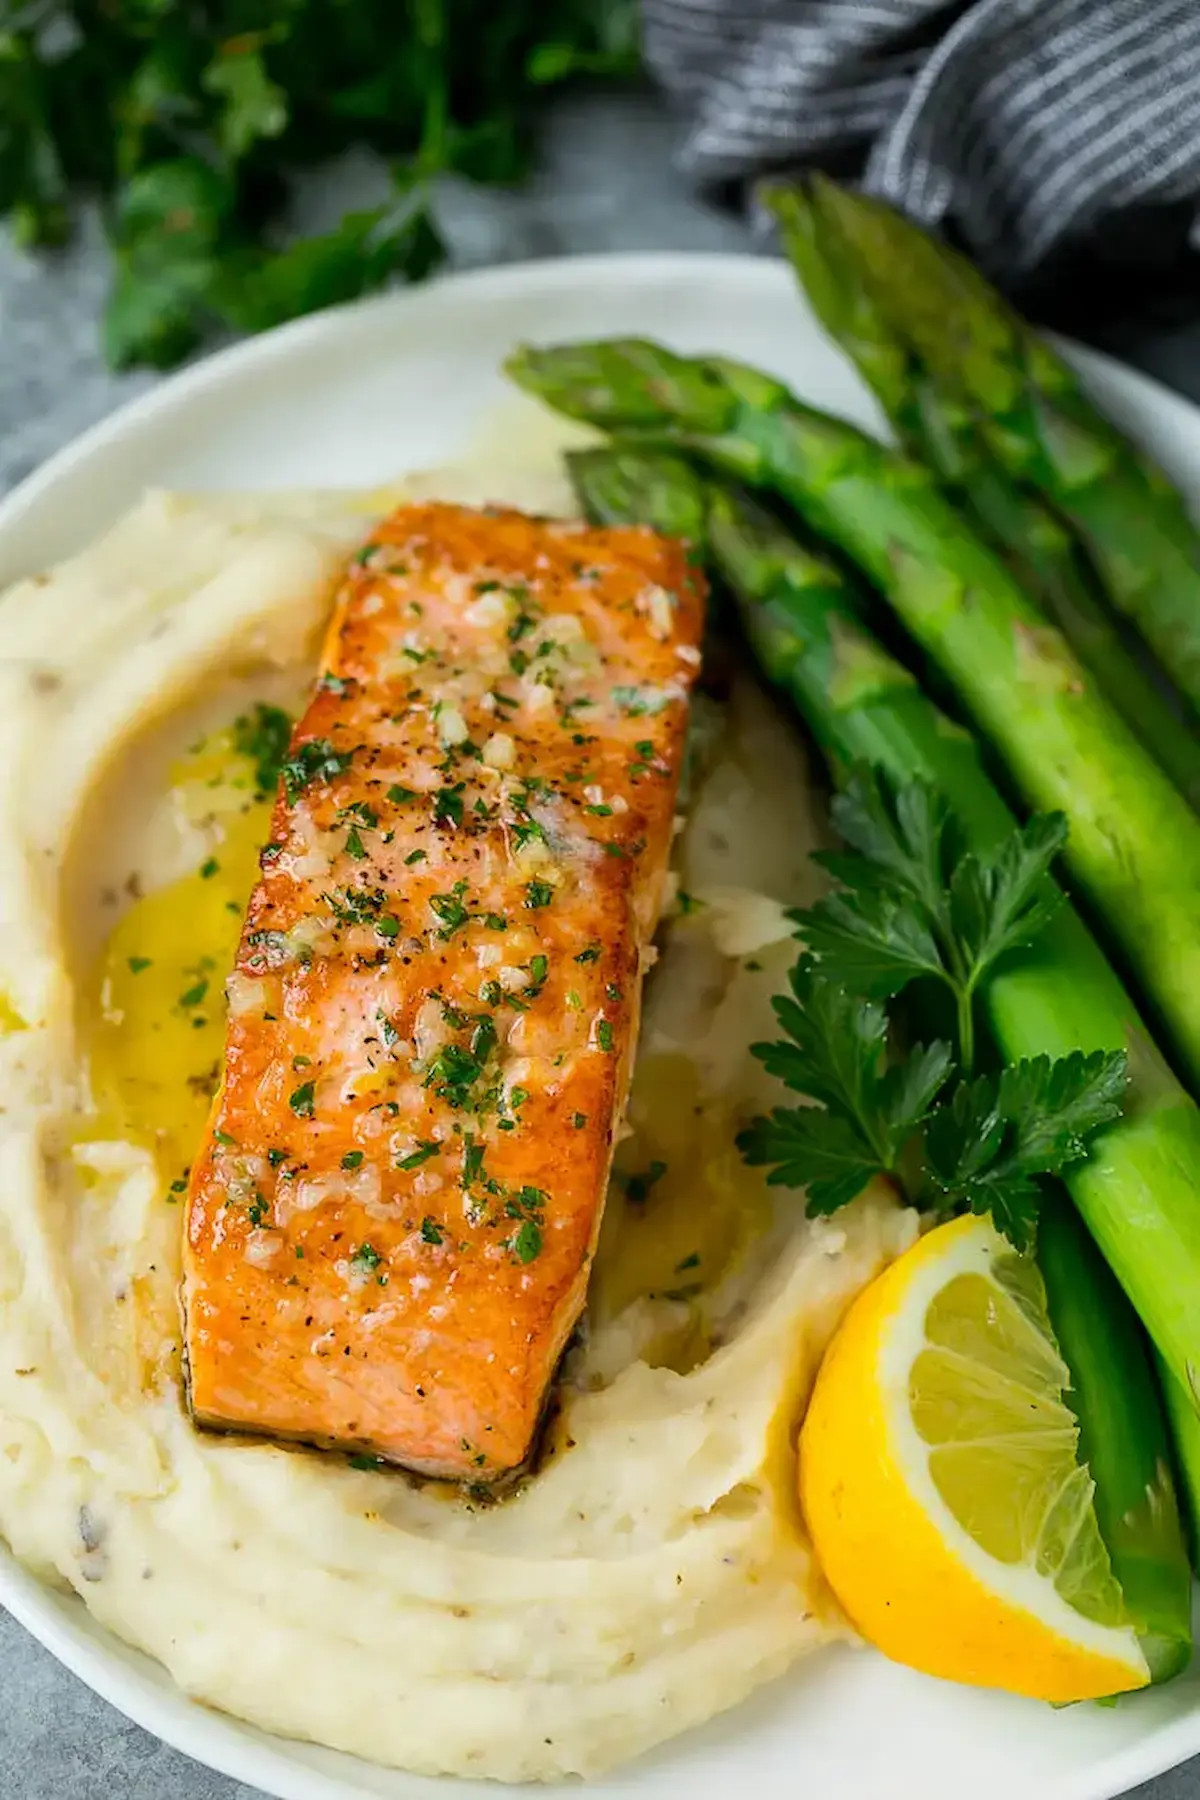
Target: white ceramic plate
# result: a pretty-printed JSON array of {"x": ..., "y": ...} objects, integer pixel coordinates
[{"x": 353, "y": 397}]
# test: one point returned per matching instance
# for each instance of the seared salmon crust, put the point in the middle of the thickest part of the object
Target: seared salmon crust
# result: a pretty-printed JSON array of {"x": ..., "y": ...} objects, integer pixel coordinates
[{"x": 435, "y": 1001}]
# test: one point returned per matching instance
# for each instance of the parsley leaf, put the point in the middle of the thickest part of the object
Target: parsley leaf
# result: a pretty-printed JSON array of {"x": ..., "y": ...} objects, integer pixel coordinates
[
  {"x": 301, "y": 1100},
  {"x": 263, "y": 735},
  {"x": 914, "y": 902},
  {"x": 866, "y": 1112},
  {"x": 314, "y": 760},
  {"x": 527, "y": 1241},
  {"x": 997, "y": 1134}
]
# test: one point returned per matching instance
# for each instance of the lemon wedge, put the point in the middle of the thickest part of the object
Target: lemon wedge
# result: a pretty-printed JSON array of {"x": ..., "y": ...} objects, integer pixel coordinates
[{"x": 940, "y": 1481}]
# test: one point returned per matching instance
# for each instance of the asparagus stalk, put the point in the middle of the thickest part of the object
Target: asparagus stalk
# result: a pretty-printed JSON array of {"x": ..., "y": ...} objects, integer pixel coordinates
[
  {"x": 1136, "y": 1191},
  {"x": 1134, "y": 843},
  {"x": 1039, "y": 422},
  {"x": 1122, "y": 1434},
  {"x": 1185, "y": 1430},
  {"x": 939, "y": 428}
]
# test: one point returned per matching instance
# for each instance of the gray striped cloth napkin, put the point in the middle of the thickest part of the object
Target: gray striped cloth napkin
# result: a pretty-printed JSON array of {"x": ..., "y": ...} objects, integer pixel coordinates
[{"x": 1028, "y": 123}]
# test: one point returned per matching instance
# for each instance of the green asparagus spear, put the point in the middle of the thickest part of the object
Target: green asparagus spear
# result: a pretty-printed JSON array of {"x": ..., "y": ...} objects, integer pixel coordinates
[
  {"x": 940, "y": 429},
  {"x": 1136, "y": 1191},
  {"x": 1134, "y": 843},
  {"x": 1185, "y": 1431},
  {"x": 1122, "y": 1433},
  {"x": 1039, "y": 422}
]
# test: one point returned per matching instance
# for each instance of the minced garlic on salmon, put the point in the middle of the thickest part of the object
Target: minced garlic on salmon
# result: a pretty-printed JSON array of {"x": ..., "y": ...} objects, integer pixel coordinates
[{"x": 436, "y": 995}]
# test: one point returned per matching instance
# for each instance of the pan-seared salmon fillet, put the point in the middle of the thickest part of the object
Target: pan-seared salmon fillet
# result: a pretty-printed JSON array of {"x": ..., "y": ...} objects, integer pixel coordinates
[{"x": 435, "y": 1001}]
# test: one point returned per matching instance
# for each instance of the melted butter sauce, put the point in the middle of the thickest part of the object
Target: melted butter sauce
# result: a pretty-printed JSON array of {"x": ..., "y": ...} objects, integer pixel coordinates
[
  {"x": 682, "y": 1209},
  {"x": 156, "y": 1009}
]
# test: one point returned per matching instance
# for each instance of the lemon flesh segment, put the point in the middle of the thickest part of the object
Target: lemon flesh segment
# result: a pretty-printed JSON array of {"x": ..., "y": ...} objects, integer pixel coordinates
[{"x": 940, "y": 1481}]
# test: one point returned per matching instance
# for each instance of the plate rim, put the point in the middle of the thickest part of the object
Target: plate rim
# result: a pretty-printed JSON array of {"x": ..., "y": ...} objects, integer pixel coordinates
[
  {"x": 210, "y": 1738},
  {"x": 209, "y": 370}
]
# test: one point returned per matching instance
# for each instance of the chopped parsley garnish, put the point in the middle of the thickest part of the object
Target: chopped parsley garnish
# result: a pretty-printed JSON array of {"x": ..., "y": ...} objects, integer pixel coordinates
[
  {"x": 453, "y": 1074},
  {"x": 335, "y": 684},
  {"x": 138, "y": 963},
  {"x": 526, "y": 1243},
  {"x": 425, "y": 1149},
  {"x": 590, "y": 955},
  {"x": 388, "y": 926},
  {"x": 314, "y": 760},
  {"x": 354, "y": 844},
  {"x": 257, "y": 1210},
  {"x": 604, "y": 1035},
  {"x": 599, "y": 812},
  {"x": 538, "y": 894},
  {"x": 414, "y": 856},
  {"x": 301, "y": 1100},
  {"x": 450, "y": 910},
  {"x": 495, "y": 921},
  {"x": 208, "y": 868},
  {"x": 195, "y": 994},
  {"x": 528, "y": 831},
  {"x": 352, "y": 1159},
  {"x": 431, "y": 1231},
  {"x": 366, "y": 1257},
  {"x": 448, "y": 804},
  {"x": 472, "y": 1169},
  {"x": 275, "y": 1157},
  {"x": 399, "y": 794},
  {"x": 637, "y": 1187},
  {"x": 263, "y": 735},
  {"x": 579, "y": 1120},
  {"x": 356, "y": 906}
]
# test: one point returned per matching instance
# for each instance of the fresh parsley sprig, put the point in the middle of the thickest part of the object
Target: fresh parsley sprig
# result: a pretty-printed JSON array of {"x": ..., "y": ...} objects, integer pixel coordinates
[
  {"x": 912, "y": 903},
  {"x": 189, "y": 123}
]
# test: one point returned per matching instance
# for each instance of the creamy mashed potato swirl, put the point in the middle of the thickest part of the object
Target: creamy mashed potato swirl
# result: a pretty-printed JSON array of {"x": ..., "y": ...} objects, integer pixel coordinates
[{"x": 655, "y": 1570}]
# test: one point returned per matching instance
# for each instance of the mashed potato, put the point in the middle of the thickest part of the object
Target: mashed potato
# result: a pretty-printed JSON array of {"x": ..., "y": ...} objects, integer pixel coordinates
[{"x": 654, "y": 1570}]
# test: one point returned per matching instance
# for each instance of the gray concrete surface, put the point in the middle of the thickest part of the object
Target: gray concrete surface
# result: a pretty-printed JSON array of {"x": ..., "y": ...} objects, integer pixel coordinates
[{"x": 605, "y": 183}]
